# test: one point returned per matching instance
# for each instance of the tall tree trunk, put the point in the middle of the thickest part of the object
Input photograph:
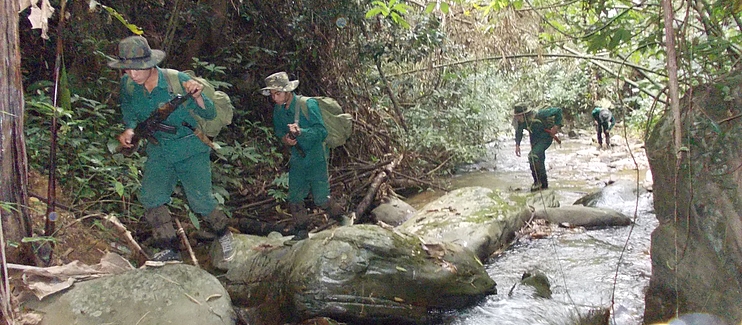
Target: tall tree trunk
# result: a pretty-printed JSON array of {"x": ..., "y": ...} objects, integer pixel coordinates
[{"x": 13, "y": 164}]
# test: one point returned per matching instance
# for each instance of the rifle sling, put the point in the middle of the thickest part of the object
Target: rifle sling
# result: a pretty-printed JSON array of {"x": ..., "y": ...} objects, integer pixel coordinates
[{"x": 165, "y": 128}]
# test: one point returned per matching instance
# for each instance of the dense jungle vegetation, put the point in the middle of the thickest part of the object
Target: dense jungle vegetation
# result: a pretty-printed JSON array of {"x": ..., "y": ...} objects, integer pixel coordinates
[{"x": 428, "y": 83}]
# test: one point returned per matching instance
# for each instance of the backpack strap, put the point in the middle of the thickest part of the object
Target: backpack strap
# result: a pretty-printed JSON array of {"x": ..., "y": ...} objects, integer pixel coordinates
[
  {"x": 301, "y": 103},
  {"x": 173, "y": 82}
]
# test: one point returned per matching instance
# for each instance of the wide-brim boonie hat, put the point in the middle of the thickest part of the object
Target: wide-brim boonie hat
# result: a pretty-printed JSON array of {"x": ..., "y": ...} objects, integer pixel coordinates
[
  {"x": 520, "y": 109},
  {"x": 135, "y": 54},
  {"x": 279, "y": 81}
]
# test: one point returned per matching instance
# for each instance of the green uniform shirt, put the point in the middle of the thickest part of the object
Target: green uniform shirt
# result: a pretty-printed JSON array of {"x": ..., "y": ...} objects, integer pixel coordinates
[
  {"x": 137, "y": 104},
  {"x": 313, "y": 132},
  {"x": 307, "y": 173},
  {"x": 604, "y": 117},
  {"x": 537, "y": 123}
]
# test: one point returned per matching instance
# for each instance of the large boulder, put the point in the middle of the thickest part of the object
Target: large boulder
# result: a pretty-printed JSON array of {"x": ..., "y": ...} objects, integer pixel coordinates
[
  {"x": 697, "y": 248},
  {"x": 477, "y": 218},
  {"x": 172, "y": 294},
  {"x": 361, "y": 273}
]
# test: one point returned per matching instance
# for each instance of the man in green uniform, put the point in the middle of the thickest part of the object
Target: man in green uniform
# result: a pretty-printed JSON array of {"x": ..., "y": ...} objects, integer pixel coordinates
[
  {"x": 304, "y": 132},
  {"x": 177, "y": 155},
  {"x": 604, "y": 122},
  {"x": 542, "y": 127}
]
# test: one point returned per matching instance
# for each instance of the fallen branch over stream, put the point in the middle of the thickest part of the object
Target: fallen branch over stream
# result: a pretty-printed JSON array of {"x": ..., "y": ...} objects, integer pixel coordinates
[{"x": 381, "y": 176}]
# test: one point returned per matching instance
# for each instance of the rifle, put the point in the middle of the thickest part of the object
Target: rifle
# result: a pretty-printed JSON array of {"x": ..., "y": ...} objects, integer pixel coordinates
[
  {"x": 147, "y": 128},
  {"x": 298, "y": 147}
]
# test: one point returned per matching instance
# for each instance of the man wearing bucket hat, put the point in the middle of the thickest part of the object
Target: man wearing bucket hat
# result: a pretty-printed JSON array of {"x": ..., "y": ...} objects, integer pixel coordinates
[
  {"x": 542, "y": 127},
  {"x": 177, "y": 156},
  {"x": 305, "y": 135},
  {"x": 604, "y": 122}
]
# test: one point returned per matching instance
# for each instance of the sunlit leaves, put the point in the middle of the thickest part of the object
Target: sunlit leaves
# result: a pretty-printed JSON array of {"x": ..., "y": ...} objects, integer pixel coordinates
[
  {"x": 393, "y": 10},
  {"x": 443, "y": 7},
  {"x": 133, "y": 28},
  {"x": 495, "y": 5}
]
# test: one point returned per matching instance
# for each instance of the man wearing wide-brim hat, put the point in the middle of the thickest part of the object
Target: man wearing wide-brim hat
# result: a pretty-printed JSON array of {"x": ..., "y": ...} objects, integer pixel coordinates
[
  {"x": 175, "y": 154},
  {"x": 298, "y": 123},
  {"x": 542, "y": 127}
]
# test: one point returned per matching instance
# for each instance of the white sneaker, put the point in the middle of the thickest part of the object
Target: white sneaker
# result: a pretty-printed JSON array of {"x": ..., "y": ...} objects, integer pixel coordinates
[
  {"x": 226, "y": 241},
  {"x": 165, "y": 256}
]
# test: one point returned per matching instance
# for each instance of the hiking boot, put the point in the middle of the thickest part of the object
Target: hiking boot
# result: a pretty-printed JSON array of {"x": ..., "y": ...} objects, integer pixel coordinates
[
  {"x": 300, "y": 235},
  {"x": 536, "y": 187},
  {"x": 166, "y": 256},
  {"x": 299, "y": 213},
  {"x": 226, "y": 242},
  {"x": 336, "y": 212}
]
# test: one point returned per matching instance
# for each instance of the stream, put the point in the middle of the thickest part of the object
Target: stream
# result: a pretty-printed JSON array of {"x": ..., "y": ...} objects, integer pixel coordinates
[{"x": 587, "y": 270}]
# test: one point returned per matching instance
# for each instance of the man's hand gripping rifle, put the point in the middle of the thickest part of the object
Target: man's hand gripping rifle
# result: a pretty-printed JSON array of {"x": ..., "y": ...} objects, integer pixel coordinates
[{"x": 147, "y": 128}]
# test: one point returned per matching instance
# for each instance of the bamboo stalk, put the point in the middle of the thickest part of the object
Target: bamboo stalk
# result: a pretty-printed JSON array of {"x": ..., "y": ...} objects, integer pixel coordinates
[{"x": 184, "y": 239}]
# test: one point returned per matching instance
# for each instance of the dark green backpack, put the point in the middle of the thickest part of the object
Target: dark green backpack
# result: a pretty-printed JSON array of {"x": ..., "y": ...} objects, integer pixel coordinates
[
  {"x": 222, "y": 102},
  {"x": 339, "y": 125}
]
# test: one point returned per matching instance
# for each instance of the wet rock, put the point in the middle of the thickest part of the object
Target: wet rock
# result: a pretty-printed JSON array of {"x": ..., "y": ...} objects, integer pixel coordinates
[
  {"x": 581, "y": 216},
  {"x": 361, "y": 273},
  {"x": 616, "y": 192},
  {"x": 539, "y": 281},
  {"x": 543, "y": 200},
  {"x": 477, "y": 218},
  {"x": 172, "y": 294},
  {"x": 393, "y": 212}
]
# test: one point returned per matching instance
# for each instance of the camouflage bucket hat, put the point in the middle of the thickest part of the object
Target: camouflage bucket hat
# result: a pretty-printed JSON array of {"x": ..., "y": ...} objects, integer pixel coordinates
[
  {"x": 135, "y": 54},
  {"x": 520, "y": 109},
  {"x": 278, "y": 81}
]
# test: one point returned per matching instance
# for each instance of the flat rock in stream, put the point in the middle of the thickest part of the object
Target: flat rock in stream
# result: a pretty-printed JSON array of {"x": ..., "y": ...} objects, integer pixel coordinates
[{"x": 477, "y": 218}]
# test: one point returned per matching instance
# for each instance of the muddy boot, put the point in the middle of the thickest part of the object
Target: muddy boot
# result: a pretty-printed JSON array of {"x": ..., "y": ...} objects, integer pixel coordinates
[
  {"x": 163, "y": 234},
  {"x": 301, "y": 221},
  {"x": 607, "y": 141},
  {"x": 336, "y": 212},
  {"x": 544, "y": 183}
]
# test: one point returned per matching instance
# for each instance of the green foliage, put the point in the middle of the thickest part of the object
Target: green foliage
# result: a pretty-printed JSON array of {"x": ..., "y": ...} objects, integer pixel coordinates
[
  {"x": 641, "y": 115},
  {"x": 8, "y": 206},
  {"x": 393, "y": 10},
  {"x": 457, "y": 118},
  {"x": 94, "y": 174},
  {"x": 83, "y": 165},
  {"x": 132, "y": 27},
  {"x": 281, "y": 186},
  {"x": 211, "y": 72}
]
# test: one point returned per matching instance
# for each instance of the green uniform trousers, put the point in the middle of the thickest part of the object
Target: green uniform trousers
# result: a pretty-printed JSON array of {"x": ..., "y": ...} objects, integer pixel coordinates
[
  {"x": 537, "y": 159},
  {"x": 162, "y": 173},
  {"x": 308, "y": 175}
]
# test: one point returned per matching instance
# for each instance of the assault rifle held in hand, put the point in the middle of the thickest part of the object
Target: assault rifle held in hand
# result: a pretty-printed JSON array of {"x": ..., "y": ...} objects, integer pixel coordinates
[
  {"x": 147, "y": 128},
  {"x": 292, "y": 136}
]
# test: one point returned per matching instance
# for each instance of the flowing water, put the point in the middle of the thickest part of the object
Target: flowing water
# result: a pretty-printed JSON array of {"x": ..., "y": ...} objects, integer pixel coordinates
[{"x": 587, "y": 270}]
